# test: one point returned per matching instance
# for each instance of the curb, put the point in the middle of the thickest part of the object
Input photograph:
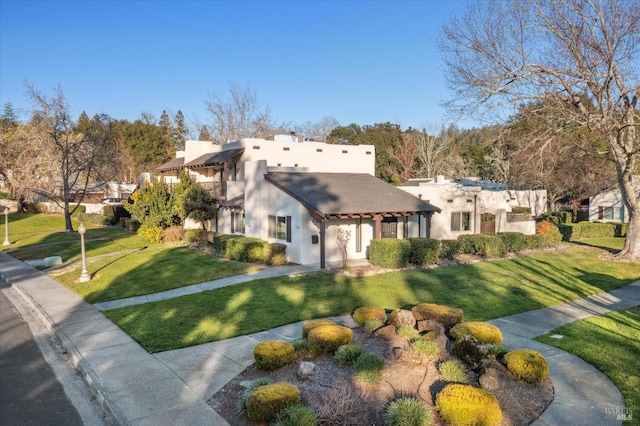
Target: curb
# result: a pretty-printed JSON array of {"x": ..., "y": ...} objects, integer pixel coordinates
[{"x": 95, "y": 385}]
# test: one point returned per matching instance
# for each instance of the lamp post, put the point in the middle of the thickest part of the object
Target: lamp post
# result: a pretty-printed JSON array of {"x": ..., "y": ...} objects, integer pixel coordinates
[
  {"x": 84, "y": 276},
  {"x": 6, "y": 242}
]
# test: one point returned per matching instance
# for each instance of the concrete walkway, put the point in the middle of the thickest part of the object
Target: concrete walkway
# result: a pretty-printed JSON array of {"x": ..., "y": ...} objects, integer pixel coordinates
[
  {"x": 168, "y": 388},
  {"x": 279, "y": 271}
]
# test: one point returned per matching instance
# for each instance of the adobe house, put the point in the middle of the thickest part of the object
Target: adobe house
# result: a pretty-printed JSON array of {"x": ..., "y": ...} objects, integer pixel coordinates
[
  {"x": 609, "y": 206},
  {"x": 299, "y": 193},
  {"x": 474, "y": 207}
]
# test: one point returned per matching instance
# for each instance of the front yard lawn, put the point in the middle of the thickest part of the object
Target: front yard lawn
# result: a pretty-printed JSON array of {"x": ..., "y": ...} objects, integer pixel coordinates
[
  {"x": 611, "y": 343},
  {"x": 150, "y": 270},
  {"x": 483, "y": 290}
]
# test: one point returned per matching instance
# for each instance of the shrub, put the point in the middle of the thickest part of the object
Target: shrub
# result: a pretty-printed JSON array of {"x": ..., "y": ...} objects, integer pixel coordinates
[
  {"x": 368, "y": 368},
  {"x": 453, "y": 371},
  {"x": 408, "y": 411},
  {"x": 247, "y": 249},
  {"x": 265, "y": 401},
  {"x": 426, "y": 347},
  {"x": 389, "y": 253},
  {"x": 485, "y": 245},
  {"x": 300, "y": 344},
  {"x": 483, "y": 332},
  {"x": 150, "y": 232},
  {"x": 408, "y": 333},
  {"x": 325, "y": 339},
  {"x": 172, "y": 234},
  {"x": 95, "y": 218},
  {"x": 465, "y": 405},
  {"x": 115, "y": 213},
  {"x": 34, "y": 208},
  {"x": 521, "y": 209},
  {"x": 220, "y": 242},
  {"x": 513, "y": 241},
  {"x": 372, "y": 325},
  {"x": 80, "y": 209},
  {"x": 347, "y": 354},
  {"x": 557, "y": 217},
  {"x": 131, "y": 225},
  {"x": 527, "y": 365},
  {"x": 424, "y": 251},
  {"x": 194, "y": 236},
  {"x": 275, "y": 254},
  {"x": 273, "y": 354},
  {"x": 366, "y": 313},
  {"x": 496, "y": 350},
  {"x": 446, "y": 315},
  {"x": 310, "y": 325},
  {"x": 581, "y": 230},
  {"x": 241, "y": 405},
  {"x": 295, "y": 415},
  {"x": 450, "y": 249}
]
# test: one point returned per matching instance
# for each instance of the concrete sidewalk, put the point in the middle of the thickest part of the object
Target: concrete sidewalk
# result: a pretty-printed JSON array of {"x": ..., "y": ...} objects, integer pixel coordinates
[
  {"x": 138, "y": 388},
  {"x": 278, "y": 271}
]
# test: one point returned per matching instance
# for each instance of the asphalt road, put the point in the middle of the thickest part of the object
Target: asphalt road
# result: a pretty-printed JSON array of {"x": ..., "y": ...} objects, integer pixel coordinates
[{"x": 38, "y": 385}]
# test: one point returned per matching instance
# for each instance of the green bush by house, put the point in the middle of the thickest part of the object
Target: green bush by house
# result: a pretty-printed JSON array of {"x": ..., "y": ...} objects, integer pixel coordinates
[
  {"x": 513, "y": 241},
  {"x": 581, "y": 230},
  {"x": 389, "y": 253},
  {"x": 485, "y": 245},
  {"x": 424, "y": 251}
]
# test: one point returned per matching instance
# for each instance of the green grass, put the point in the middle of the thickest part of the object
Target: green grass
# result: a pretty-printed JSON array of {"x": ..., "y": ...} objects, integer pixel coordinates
[
  {"x": 147, "y": 271},
  {"x": 483, "y": 290},
  {"x": 611, "y": 343},
  {"x": 40, "y": 236}
]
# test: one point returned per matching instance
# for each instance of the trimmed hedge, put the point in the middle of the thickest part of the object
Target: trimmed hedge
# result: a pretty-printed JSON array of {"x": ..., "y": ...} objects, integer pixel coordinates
[
  {"x": 424, "y": 251},
  {"x": 273, "y": 354},
  {"x": 527, "y": 365},
  {"x": 131, "y": 225},
  {"x": 326, "y": 339},
  {"x": 557, "y": 217},
  {"x": 115, "y": 213},
  {"x": 465, "y": 405},
  {"x": 482, "y": 331},
  {"x": 220, "y": 242},
  {"x": 275, "y": 254},
  {"x": 577, "y": 231},
  {"x": 248, "y": 249},
  {"x": 94, "y": 218},
  {"x": 485, "y": 245},
  {"x": 513, "y": 241},
  {"x": 389, "y": 253},
  {"x": 264, "y": 402}
]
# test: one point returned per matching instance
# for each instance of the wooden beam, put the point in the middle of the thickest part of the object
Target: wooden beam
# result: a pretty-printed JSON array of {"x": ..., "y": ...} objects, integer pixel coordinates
[{"x": 322, "y": 244}]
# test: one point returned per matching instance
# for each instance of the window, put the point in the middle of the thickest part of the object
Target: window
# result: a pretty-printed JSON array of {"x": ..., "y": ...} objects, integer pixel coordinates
[
  {"x": 461, "y": 221},
  {"x": 280, "y": 228},
  {"x": 237, "y": 222},
  {"x": 613, "y": 213}
]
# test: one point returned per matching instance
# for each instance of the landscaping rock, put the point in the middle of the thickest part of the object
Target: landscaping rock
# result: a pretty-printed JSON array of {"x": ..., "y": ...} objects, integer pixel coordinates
[
  {"x": 306, "y": 370},
  {"x": 493, "y": 379},
  {"x": 387, "y": 332},
  {"x": 430, "y": 325},
  {"x": 402, "y": 318},
  {"x": 470, "y": 351}
]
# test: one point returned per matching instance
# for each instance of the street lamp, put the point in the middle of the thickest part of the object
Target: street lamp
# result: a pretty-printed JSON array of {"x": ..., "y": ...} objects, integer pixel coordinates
[
  {"x": 7, "y": 242},
  {"x": 84, "y": 276}
]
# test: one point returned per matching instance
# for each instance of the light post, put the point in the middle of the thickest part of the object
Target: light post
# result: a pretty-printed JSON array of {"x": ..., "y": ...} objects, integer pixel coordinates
[
  {"x": 7, "y": 242},
  {"x": 84, "y": 276}
]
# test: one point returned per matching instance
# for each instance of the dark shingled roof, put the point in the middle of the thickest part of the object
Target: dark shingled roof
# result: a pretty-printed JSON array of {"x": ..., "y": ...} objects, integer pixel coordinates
[
  {"x": 237, "y": 202},
  {"x": 215, "y": 158},
  {"x": 327, "y": 194},
  {"x": 174, "y": 164}
]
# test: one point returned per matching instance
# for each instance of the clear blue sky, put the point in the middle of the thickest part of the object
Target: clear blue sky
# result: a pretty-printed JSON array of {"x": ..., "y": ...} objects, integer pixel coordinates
[{"x": 360, "y": 62}]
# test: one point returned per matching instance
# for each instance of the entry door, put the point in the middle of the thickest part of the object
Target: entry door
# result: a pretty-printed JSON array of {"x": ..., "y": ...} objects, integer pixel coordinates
[{"x": 390, "y": 227}]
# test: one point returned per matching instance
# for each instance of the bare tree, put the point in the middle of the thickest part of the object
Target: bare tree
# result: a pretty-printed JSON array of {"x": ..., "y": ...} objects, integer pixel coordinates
[
  {"x": 578, "y": 56},
  {"x": 239, "y": 116},
  {"x": 318, "y": 131},
  {"x": 433, "y": 153},
  {"x": 67, "y": 158}
]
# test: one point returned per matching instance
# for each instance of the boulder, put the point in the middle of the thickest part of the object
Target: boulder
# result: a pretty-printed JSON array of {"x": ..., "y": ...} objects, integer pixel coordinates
[
  {"x": 402, "y": 318},
  {"x": 306, "y": 369}
]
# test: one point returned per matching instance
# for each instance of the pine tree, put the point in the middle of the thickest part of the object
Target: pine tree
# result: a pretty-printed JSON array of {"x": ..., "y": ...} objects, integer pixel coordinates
[
  {"x": 204, "y": 134},
  {"x": 180, "y": 131}
]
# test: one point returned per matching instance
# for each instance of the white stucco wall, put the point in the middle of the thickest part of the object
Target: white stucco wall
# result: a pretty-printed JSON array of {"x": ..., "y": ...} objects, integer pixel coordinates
[{"x": 607, "y": 199}]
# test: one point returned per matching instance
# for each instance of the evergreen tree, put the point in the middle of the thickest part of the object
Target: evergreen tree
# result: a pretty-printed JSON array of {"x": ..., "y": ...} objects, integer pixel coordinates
[
  {"x": 180, "y": 131},
  {"x": 165, "y": 124},
  {"x": 8, "y": 119},
  {"x": 204, "y": 134}
]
